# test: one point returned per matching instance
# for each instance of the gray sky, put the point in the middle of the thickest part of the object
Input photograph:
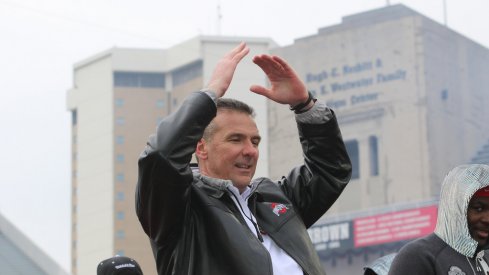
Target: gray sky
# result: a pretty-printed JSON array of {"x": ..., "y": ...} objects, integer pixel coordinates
[{"x": 41, "y": 40}]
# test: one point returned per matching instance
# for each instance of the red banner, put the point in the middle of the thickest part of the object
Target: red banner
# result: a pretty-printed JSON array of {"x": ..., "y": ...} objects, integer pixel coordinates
[{"x": 397, "y": 226}]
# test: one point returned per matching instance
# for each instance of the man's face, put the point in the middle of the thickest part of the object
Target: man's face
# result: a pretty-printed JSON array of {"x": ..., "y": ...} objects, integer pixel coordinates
[
  {"x": 478, "y": 219},
  {"x": 231, "y": 152}
]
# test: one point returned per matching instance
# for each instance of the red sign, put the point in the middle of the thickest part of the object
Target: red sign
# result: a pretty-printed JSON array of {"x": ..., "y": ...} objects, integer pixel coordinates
[{"x": 397, "y": 226}]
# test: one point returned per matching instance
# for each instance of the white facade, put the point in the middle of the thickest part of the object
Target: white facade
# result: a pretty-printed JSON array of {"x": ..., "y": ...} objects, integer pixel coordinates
[
  {"x": 112, "y": 121},
  {"x": 409, "y": 96},
  {"x": 413, "y": 95}
]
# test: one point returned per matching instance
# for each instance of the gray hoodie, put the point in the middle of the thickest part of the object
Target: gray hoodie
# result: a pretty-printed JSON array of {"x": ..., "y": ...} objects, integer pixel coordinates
[{"x": 450, "y": 249}]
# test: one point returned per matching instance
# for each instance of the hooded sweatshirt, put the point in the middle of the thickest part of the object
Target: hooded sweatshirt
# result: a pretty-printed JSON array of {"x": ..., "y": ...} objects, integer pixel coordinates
[{"x": 450, "y": 250}]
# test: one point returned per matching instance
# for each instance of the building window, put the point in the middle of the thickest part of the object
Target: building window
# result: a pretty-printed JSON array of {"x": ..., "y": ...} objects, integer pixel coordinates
[
  {"x": 120, "y": 196},
  {"x": 74, "y": 117},
  {"x": 120, "y": 177},
  {"x": 120, "y": 158},
  {"x": 120, "y": 252},
  {"x": 120, "y": 121},
  {"x": 352, "y": 149},
  {"x": 120, "y": 234},
  {"x": 119, "y": 102},
  {"x": 160, "y": 103},
  {"x": 187, "y": 73},
  {"x": 139, "y": 79},
  {"x": 444, "y": 94},
  {"x": 119, "y": 139},
  {"x": 323, "y": 90},
  {"x": 120, "y": 215},
  {"x": 374, "y": 155}
]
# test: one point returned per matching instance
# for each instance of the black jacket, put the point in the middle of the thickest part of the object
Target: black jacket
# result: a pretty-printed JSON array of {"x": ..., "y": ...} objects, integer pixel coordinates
[{"x": 196, "y": 228}]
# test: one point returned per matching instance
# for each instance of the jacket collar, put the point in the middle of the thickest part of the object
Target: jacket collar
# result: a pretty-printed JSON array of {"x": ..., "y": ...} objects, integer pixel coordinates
[{"x": 217, "y": 187}]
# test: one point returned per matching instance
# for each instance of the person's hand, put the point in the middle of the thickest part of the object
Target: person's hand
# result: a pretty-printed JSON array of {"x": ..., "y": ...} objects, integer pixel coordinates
[
  {"x": 224, "y": 70},
  {"x": 286, "y": 86}
]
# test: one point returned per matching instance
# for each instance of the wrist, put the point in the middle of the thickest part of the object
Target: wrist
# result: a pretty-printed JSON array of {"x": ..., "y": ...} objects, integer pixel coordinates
[{"x": 304, "y": 106}]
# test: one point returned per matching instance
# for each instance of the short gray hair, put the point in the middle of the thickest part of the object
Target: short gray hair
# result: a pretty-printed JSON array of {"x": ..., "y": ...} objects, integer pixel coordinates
[{"x": 228, "y": 104}]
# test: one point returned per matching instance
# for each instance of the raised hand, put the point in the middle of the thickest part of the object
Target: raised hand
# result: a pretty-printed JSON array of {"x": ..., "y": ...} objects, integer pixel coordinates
[
  {"x": 224, "y": 70},
  {"x": 286, "y": 86}
]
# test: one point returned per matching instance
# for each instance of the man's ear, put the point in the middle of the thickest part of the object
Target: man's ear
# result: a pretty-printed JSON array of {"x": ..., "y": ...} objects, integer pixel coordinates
[{"x": 201, "y": 150}]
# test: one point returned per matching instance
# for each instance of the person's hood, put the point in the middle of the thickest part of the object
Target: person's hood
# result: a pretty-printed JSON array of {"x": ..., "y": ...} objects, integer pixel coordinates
[
  {"x": 456, "y": 191},
  {"x": 381, "y": 265}
]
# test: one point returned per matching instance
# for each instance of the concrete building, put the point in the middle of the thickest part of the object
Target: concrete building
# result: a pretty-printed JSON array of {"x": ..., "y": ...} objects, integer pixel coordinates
[
  {"x": 117, "y": 100},
  {"x": 411, "y": 96},
  {"x": 20, "y": 256}
]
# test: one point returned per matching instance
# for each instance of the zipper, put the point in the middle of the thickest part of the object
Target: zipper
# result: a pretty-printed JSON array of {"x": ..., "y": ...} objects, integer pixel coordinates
[
  {"x": 250, "y": 218},
  {"x": 252, "y": 207},
  {"x": 238, "y": 215},
  {"x": 482, "y": 264},
  {"x": 294, "y": 258}
]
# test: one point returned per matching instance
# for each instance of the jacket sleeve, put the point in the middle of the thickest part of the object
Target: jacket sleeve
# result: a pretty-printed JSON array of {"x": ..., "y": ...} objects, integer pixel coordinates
[
  {"x": 164, "y": 174},
  {"x": 413, "y": 259},
  {"x": 315, "y": 186}
]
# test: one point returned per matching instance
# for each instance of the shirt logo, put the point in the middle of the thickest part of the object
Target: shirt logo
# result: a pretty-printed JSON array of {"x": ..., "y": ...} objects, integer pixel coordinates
[
  {"x": 455, "y": 270},
  {"x": 278, "y": 208}
]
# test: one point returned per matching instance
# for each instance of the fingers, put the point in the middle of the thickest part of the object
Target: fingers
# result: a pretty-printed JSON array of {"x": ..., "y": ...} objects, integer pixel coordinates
[
  {"x": 240, "y": 51},
  {"x": 260, "y": 90},
  {"x": 283, "y": 64},
  {"x": 266, "y": 63},
  {"x": 223, "y": 72}
]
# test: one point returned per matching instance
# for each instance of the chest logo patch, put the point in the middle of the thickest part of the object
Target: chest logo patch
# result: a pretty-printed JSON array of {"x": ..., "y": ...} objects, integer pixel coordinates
[
  {"x": 278, "y": 208},
  {"x": 455, "y": 270}
]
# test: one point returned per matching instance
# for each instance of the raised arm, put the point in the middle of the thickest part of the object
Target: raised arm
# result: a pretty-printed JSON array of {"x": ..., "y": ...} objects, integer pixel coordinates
[
  {"x": 314, "y": 186},
  {"x": 286, "y": 86},
  {"x": 164, "y": 166}
]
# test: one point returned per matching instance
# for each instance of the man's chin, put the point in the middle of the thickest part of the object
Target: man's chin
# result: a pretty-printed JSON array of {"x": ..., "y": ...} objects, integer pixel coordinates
[{"x": 241, "y": 181}]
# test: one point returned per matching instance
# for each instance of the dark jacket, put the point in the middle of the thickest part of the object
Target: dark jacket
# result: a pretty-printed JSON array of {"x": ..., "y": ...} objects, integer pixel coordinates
[
  {"x": 195, "y": 228},
  {"x": 450, "y": 249}
]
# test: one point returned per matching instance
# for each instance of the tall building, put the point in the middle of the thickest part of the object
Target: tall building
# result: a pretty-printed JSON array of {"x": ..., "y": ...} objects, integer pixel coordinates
[
  {"x": 117, "y": 100},
  {"x": 411, "y": 97},
  {"x": 20, "y": 256}
]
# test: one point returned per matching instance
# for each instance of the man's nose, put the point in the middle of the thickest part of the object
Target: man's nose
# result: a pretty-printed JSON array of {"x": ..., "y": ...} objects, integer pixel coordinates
[
  {"x": 485, "y": 217},
  {"x": 250, "y": 149}
]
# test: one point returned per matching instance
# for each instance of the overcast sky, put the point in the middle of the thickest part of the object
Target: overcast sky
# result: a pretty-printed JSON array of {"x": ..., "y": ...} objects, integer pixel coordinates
[{"x": 41, "y": 40}]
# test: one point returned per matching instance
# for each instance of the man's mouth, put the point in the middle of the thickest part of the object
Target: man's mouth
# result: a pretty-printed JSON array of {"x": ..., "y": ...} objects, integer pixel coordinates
[
  {"x": 243, "y": 166},
  {"x": 483, "y": 234}
]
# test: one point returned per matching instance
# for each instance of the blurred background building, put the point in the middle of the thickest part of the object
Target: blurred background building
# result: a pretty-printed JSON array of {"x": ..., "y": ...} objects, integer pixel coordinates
[
  {"x": 118, "y": 98},
  {"x": 409, "y": 93},
  {"x": 411, "y": 98},
  {"x": 20, "y": 256}
]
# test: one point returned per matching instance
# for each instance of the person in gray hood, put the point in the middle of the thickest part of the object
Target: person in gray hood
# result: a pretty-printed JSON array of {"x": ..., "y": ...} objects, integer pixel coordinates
[{"x": 461, "y": 234}]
